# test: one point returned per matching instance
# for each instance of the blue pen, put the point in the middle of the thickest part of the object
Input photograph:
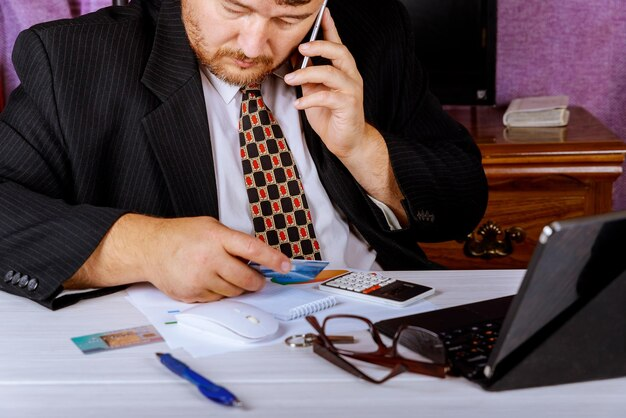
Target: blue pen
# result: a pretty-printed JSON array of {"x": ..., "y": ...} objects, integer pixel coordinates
[{"x": 209, "y": 389}]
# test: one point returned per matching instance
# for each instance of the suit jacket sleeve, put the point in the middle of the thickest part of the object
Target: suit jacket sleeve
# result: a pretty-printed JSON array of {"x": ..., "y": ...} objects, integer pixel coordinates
[
  {"x": 435, "y": 160},
  {"x": 43, "y": 234}
]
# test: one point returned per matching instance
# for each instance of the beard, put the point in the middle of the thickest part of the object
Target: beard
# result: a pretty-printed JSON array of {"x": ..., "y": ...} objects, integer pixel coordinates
[
  {"x": 222, "y": 66},
  {"x": 221, "y": 63}
]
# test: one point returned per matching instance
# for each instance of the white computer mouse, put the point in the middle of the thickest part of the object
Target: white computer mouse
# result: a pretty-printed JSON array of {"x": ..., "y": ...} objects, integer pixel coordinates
[{"x": 229, "y": 319}]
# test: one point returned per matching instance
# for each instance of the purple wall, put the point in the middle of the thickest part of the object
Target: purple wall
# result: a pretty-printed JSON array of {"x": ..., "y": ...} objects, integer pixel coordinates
[
  {"x": 573, "y": 47},
  {"x": 16, "y": 15}
]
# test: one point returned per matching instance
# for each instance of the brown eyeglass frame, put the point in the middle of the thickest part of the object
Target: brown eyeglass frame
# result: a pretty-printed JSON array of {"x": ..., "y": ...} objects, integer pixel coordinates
[{"x": 383, "y": 356}]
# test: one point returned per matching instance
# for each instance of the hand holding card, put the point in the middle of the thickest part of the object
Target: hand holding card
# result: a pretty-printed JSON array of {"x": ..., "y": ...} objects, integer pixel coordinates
[{"x": 302, "y": 271}]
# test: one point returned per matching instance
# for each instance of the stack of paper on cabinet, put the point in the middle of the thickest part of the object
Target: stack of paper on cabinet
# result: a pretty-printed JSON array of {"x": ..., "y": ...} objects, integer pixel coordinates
[{"x": 544, "y": 111}]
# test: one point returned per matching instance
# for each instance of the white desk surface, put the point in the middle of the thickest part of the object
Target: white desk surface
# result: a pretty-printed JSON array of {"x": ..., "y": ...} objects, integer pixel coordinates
[{"x": 42, "y": 373}]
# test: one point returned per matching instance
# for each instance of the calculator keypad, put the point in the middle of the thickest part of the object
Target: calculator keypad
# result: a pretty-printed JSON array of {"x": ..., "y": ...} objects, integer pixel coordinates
[{"x": 360, "y": 282}]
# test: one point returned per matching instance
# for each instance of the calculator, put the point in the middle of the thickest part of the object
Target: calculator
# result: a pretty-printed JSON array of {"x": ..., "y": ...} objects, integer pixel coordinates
[{"x": 376, "y": 288}]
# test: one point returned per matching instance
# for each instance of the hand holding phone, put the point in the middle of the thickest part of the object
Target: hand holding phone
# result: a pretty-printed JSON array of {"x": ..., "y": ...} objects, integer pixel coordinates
[
  {"x": 315, "y": 30},
  {"x": 332, "y": 99}
]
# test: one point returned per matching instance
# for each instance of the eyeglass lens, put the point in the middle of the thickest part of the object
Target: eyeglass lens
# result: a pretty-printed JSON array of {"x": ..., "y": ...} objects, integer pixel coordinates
[
  {"x": 364, "y": 344},
  {"x": 374, "y": 357}
]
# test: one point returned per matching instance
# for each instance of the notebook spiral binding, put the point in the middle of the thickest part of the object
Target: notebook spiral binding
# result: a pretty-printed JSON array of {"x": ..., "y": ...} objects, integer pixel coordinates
[{"x": 312, "y": 307}]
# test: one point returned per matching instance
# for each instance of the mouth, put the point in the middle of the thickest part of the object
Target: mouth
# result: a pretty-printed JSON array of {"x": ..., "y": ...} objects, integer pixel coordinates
[{"x": 244, "y": 64}]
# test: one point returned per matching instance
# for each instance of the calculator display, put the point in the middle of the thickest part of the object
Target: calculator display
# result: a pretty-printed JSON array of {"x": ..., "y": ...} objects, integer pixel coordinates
[{"x": 400, "y": 291}]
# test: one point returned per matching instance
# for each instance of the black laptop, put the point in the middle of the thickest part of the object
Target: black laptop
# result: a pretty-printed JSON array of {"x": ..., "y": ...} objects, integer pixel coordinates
[{"x": 566, "y": 324}]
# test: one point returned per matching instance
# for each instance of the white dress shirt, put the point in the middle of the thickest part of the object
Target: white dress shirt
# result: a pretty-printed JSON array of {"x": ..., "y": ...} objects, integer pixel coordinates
[{"x": 339, "y": 244}]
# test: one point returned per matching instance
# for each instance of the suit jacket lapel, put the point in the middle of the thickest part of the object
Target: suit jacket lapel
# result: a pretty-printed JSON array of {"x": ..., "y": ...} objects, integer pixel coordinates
[{"x": 178, "y": 129}]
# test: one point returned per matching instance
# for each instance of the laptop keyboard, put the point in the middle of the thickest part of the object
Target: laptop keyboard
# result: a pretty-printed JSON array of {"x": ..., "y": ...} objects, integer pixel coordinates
[{"x": 468, "y": 348}]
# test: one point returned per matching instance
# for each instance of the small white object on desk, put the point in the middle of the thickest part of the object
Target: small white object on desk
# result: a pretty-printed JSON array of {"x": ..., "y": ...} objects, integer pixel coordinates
[
  {"x": 229, "y": 319},
  {"x": 543, "y": 111}
]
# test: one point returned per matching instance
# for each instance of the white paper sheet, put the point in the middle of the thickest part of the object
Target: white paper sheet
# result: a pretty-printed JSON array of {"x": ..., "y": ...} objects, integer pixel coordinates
[{"x": 161, "y": 310}]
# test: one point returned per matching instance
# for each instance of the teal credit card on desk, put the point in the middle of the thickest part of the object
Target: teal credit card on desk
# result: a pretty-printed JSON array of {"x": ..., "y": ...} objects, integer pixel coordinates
[
  {"x": 111, "y": 340},
  {"x": 302, "y": 271}
]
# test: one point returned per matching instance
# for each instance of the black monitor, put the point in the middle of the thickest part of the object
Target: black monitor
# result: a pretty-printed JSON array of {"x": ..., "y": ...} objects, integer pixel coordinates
[{"x": 456, "y": 43}]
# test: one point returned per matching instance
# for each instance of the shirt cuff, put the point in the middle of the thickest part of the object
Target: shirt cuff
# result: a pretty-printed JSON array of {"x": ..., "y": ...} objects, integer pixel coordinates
[{"x": 390, "y": 217}]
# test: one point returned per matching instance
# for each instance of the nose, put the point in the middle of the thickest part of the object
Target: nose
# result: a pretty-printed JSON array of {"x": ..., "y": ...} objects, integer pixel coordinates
[{"x": 253, "y": 38}]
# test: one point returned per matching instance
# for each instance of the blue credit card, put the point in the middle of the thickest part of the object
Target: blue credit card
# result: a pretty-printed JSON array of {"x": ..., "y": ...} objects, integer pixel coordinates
[{"x": 301, "y": 271}]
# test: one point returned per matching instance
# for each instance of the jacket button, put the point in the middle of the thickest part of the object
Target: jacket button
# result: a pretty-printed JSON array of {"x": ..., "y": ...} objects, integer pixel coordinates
[
  {"x": 32, "y": 284},
  {"x": 8, "y": 276},
  {"x": 23, "y": 281},
  {"x": 16, "y": 278}
]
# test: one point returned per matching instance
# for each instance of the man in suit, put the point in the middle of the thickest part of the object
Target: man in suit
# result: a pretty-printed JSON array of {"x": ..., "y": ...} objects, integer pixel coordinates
[{"x": 120, "y": 151}]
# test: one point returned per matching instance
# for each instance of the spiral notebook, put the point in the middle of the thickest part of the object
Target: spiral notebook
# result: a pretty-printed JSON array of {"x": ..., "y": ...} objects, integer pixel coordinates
[{"x": 287, "y": 302}]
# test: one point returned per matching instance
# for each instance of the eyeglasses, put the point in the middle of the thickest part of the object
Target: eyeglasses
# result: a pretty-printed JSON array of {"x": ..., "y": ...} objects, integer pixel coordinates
[{"x": 372, "y": 349}]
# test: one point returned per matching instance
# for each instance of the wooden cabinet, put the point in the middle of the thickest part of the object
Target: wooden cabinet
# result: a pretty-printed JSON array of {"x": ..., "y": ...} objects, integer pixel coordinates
[{"x": 535, "y": 176}]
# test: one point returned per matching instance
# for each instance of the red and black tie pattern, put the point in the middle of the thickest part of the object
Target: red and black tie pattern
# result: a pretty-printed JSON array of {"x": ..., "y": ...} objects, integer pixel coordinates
[{"x": 280, "y": 212}]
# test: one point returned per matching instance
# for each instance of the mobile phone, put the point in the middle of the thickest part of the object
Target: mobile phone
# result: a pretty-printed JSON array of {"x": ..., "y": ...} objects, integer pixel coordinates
[
  {"x": 376, "y": 288},
  {"x": 315, "y": 30}
]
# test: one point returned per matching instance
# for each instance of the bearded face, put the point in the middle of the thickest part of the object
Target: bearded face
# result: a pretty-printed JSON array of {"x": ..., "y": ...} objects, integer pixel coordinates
[{"x": 242, "y": 41}]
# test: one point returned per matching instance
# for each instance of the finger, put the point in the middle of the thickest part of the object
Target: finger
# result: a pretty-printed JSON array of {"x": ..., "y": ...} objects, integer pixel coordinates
[
  {"x": 333, "y": 100},
  {"x": 338, "y": 54},
  {"x": 227, "y": 286},
  {"x": 329, "y": 76},
  {"x": 341, "y": 58},
  {"x": 329, "y": 29},
  {"x": 237, "y": 277},
  {"x": 253, "y": 249},
  {"x": 197, "y": 297},
  {"x": 209, "y": 296}
]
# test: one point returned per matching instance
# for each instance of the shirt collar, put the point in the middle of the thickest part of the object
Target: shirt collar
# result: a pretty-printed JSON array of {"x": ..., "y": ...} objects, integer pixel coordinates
[{"x": 228, "y": 92}]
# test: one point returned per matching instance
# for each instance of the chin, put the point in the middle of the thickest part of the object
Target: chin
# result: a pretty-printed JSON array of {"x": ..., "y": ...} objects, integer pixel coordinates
[
  {"x": 239, "y": 77},
  {"x": 228, "y": 71}
]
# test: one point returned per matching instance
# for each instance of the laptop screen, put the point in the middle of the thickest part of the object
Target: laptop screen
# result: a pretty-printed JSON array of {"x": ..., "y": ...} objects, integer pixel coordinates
[{"x": 573, "y": 261}]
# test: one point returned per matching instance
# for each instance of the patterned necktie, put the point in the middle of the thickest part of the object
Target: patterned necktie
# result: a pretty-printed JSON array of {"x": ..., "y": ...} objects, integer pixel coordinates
[{"x": 280, "y": 212}]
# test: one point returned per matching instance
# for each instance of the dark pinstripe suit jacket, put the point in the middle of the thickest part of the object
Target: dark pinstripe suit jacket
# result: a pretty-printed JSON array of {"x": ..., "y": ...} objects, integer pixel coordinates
[{"x": 110, "y": 118}]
